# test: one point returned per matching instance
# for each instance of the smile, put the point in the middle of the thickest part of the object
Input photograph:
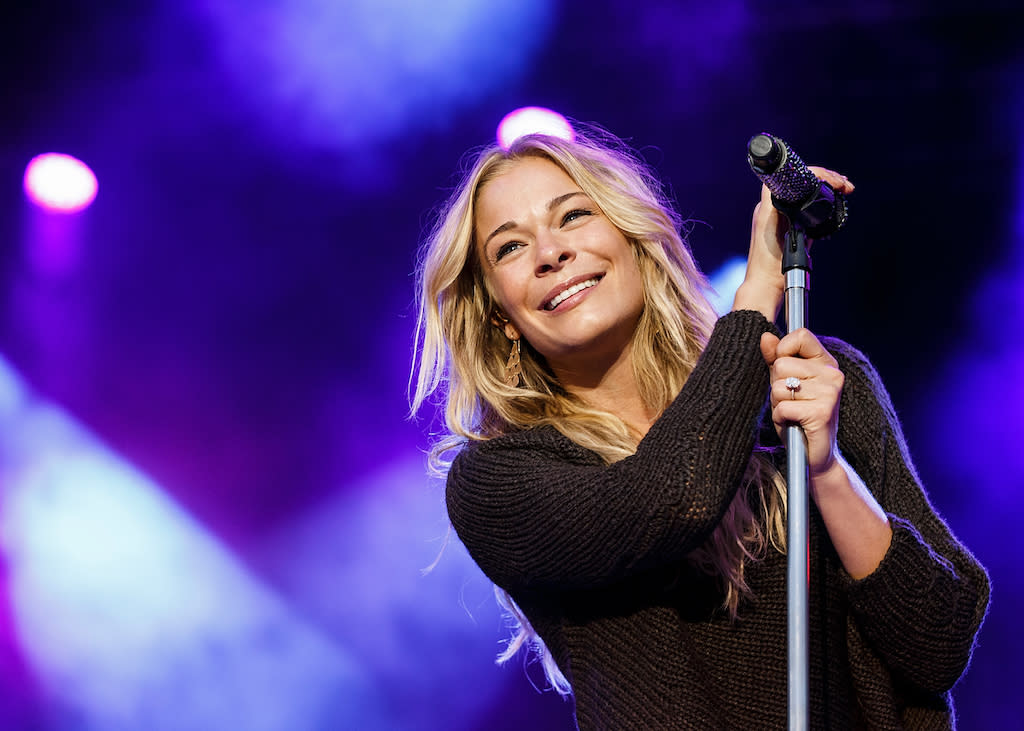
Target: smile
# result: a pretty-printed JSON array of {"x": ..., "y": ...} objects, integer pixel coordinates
[{"x": 569, "y": 292}]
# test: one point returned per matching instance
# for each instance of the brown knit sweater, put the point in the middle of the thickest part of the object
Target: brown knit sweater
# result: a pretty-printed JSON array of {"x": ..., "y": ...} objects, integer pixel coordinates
[{"x": 595, "y": 555}]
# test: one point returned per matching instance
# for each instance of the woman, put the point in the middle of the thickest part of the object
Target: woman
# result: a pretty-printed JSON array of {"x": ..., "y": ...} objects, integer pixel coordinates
[{"x": 613, "y": 480}]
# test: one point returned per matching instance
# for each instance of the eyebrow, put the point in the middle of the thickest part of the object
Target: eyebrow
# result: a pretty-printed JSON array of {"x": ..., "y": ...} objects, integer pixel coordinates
[{"x": 552, "y": 205}]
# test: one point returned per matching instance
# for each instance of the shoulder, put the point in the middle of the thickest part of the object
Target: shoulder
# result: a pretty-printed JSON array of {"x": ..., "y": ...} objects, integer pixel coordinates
[
  {"x": 862, "y": 378},
  {"x": 514, "y": 467},
  {"x": 493, "y": 480},
  {"x": 845, "y": 353},
  {"x": 868, "y": 422},
  {"x": 511, "y": 454}
]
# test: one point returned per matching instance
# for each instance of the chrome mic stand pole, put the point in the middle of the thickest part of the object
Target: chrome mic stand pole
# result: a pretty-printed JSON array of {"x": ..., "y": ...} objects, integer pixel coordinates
[{"x": 796, "y": 266}]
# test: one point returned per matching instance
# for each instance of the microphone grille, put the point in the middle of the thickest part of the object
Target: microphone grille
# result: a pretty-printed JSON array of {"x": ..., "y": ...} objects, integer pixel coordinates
[{"x": 789, "y": 179}]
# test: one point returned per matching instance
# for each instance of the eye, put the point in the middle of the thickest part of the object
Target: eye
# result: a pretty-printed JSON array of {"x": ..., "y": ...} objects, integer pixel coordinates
[
  {"x": 575, "y": 214},
  {"x": 506, "y": 249}
]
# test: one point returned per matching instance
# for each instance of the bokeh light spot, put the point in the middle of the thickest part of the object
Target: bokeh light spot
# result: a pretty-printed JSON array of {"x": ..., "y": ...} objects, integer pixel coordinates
[
  {"x": 533, "y": 120},
  {"x": 724, "y": 283},
  {"x": 60, "y": 183}
]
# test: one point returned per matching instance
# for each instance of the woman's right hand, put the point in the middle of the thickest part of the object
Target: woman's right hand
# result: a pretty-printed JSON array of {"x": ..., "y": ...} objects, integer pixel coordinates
[{"x": 764, "y": 285}]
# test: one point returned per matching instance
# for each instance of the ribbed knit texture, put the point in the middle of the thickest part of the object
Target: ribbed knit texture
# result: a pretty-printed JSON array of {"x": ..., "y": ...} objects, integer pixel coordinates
[{"x": 595, "y": 556}]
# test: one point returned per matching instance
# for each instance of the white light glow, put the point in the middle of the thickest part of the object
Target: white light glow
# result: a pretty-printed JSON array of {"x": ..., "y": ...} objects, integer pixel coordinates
[
  {"x": 60, "y": 183},
  {"x": 724, "y": 283},
  {"x": 533, "y": 120}
]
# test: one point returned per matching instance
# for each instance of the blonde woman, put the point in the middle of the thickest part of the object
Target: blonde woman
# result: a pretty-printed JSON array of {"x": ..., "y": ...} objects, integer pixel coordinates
[{"x": 611, "y": 475}]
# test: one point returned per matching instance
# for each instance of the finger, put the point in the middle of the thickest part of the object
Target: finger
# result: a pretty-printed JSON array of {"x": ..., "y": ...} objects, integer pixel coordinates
[
  {"x": 802, "y": 343},
  {"x": 821, "y": 382},
  {"x": 810, "y": 415},
  {"x": 821, "y": 370},
  {"x": 769, "y": 344},
  {"x": 788, "y": 412},
  {"x": 785, "y": 413},
  {"x": 793, "y": 382},
  {"x": 807, "y": 398},
  {"x": 837, "y": 180},
  {"x": 766, "y": 215}
]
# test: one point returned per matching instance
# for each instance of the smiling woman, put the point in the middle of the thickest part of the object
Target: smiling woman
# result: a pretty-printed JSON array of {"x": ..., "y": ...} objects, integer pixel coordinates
[
  {"x": 615, "y": 479},
  {"x": 558, "y": 270}
]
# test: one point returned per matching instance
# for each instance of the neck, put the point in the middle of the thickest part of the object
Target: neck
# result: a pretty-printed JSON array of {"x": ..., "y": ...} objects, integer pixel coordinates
[{"x": 610, "y": 385}]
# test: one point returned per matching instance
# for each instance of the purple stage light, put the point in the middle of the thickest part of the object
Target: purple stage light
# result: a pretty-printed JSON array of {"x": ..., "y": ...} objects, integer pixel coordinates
[
  {"x": 60, "y": 183},
  {"x": 348, "y": 74},
  {"x": 128, "y": 611},
  {"x": 533, "y": 120}
]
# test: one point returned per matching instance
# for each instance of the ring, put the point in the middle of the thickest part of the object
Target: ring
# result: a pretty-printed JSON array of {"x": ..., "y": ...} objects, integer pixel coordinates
[{"x": 793, "y": 384}]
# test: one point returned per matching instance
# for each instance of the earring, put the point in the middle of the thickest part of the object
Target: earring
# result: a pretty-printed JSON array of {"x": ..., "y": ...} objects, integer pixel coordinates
[{"x": 512, "y": 368}]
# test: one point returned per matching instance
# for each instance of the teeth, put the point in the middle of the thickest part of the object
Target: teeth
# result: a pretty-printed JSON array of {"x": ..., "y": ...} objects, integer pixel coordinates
[{"x": 561, "y": 297}]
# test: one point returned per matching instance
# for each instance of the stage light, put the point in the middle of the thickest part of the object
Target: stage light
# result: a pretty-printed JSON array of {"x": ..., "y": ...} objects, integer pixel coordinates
[
  {"x": 127, "y": 611},
  {"x": 724, "y": 283},
  {"x": 347, "y": 74},
  {"x": 533, "y": 120},
  {"x": 60, "y": 183}
]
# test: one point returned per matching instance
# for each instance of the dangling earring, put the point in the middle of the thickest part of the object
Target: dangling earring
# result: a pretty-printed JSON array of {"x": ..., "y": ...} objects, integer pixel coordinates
[{"x": 512, "y": 368}]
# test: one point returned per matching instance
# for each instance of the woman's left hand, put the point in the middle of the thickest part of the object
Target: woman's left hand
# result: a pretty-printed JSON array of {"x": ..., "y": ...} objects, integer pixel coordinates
[{"x": 812, "y": 401}]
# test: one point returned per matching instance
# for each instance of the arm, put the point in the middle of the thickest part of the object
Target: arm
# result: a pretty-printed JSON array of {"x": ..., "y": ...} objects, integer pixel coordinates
[
  {"x": 857, "y": 525},
  {"x": 763, "y": 285},
  {"x": 918, "y": 597},
  {"x": 537, "y": 511},
  {"x": 922, "y": 606}
]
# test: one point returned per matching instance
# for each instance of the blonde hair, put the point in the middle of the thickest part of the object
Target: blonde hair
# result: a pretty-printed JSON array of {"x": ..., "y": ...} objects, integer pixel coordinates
[{"x": 462, "y": 354}]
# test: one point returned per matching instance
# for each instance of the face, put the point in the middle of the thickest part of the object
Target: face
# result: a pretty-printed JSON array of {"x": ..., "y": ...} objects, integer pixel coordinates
[{"x": 561, "y": 272}]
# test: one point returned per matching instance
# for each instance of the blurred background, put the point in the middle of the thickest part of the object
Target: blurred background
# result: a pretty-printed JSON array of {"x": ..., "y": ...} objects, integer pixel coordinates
[{"x": 214, "y": 510}]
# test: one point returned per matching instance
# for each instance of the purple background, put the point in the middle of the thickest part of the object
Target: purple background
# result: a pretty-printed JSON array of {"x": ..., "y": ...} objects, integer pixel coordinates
[{"x": 225, "y": 335}]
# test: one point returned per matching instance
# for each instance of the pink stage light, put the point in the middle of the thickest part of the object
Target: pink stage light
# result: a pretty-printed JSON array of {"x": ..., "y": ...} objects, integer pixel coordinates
[
  {"x": 60, "y": 183},
  {"x": 533, "y": 120}
]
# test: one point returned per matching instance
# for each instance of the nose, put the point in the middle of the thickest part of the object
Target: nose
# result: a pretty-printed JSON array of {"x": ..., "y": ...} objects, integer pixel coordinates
[{"x": 553, "y": 252}]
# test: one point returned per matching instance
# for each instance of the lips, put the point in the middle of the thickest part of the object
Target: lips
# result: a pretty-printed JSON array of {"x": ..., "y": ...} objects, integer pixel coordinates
[{"x": 567, "y": 289}]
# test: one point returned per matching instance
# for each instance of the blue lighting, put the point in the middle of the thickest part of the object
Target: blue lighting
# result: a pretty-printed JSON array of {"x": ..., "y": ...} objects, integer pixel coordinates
[
  {"x": 724, "y": 283},
  {"x": 131, "y": 615},
  {"x": 357, "y": 563},
  {"x": 344, "y": 73}
]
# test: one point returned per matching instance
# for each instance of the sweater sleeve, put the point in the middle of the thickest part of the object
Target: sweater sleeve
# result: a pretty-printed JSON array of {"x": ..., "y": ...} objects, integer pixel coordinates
[
  {"x": 921, "y": 608},
  {"x": 537, "y": 512}
]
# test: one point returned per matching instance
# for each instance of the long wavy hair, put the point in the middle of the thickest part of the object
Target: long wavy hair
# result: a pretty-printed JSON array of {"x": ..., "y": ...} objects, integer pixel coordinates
[{"x": 461, "y": 353}]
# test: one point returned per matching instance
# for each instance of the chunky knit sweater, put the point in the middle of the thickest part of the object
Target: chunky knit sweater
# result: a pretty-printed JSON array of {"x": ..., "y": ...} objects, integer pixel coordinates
[{"x": 595, "y": 555}]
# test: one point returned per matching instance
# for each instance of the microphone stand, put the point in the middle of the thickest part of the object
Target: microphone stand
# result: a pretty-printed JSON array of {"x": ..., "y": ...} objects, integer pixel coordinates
[
  {"x": 796, "y": 266},
  {"x": 814, "y": 208}
]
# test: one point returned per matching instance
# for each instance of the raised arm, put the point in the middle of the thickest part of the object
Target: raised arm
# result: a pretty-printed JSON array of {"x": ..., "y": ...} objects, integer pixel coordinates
[{"x": 536, "y": 510}]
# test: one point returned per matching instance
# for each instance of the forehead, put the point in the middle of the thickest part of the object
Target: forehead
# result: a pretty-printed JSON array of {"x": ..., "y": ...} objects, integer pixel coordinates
[{"x": 523, "y": 185}]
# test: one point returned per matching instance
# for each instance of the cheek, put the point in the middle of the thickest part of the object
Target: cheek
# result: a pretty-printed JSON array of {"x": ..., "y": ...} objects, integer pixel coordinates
[
  {"x": 496, "y": 288},
  {"x": 508, "y": 286},
  {"x": 501, "y": 295},
  {"x": 636, "y": 282}
]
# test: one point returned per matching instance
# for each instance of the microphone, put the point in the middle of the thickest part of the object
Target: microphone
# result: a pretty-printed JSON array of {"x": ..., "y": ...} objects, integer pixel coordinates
[{"x": 809, "y": 203}]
